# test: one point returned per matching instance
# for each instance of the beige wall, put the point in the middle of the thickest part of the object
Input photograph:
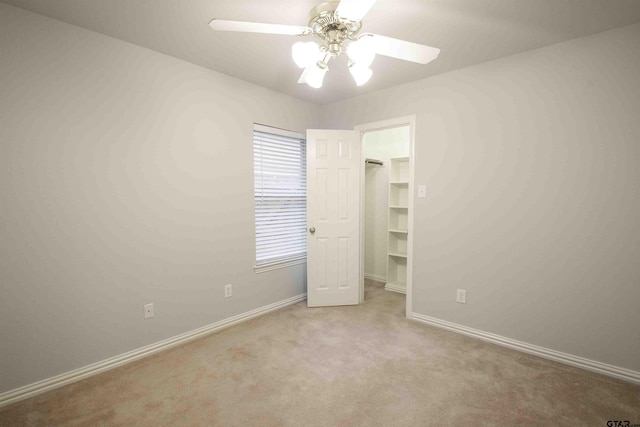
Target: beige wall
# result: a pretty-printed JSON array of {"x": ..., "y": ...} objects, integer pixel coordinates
[
  {"x": 126, "y": 178},
  {"x": 532, "y": 170}
]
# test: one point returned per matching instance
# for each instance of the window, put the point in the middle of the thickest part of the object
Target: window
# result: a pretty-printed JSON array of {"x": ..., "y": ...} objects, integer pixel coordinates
[{"x": 280, "y": 197}]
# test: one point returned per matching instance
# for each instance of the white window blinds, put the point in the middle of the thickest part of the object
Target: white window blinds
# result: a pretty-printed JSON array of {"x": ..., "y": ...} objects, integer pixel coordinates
[{"x": 280, "y": 196}]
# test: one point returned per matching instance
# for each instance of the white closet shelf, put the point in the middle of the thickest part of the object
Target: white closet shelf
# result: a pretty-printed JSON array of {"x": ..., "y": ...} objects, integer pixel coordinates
[
  {"x": 398, "y": 254},
  {"x": 398, "y": 233}
]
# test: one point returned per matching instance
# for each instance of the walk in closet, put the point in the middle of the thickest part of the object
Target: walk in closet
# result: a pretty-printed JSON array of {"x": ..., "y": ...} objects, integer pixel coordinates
[{"x": 387, "y": 207}]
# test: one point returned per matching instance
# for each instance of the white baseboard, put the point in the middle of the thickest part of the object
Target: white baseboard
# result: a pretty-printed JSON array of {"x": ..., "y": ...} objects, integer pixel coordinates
[
  {"x": 395, "y": 288},
  {"x": 39, "y": 387},
  {"x": 568, "y": 359},
  {"x": 375, "y": 277}
]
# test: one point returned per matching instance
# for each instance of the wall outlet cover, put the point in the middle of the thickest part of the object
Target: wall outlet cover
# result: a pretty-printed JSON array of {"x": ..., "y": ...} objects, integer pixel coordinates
[{"x": 461, "y": 296}]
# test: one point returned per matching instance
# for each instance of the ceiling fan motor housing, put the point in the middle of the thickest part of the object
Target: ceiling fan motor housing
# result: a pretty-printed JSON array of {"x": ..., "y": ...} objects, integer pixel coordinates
[{"x": 327, "y": 25}]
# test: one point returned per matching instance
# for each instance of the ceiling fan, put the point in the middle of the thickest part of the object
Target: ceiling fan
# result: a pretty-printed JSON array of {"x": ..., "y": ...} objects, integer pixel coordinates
[{"x": 338, "y": 25}]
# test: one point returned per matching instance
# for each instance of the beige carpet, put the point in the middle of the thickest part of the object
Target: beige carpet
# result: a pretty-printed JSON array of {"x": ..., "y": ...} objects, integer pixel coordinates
[{"x": 342, "y": 366}]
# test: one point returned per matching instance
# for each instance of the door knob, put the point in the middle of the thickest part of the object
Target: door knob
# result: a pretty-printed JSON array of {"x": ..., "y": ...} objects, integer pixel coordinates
[{"x": 312, "y": 230}]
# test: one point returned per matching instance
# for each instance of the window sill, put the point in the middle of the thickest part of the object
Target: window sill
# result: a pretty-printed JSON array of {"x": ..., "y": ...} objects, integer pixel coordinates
[{"x": 279, "y": 264}]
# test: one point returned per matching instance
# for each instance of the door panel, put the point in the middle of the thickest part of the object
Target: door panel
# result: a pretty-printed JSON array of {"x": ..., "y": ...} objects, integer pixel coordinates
[{"x": 333, "y": 201}]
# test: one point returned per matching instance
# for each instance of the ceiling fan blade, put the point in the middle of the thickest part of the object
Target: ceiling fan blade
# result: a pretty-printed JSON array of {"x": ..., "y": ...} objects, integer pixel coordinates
[
  {"x": 257, "y": 27},
  {"x": 354, "y": 10},
  {"x": 402, "y": 49}
]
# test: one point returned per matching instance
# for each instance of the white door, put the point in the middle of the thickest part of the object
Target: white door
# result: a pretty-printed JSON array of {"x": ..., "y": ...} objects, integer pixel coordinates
[{"x": 333, "y": 217}]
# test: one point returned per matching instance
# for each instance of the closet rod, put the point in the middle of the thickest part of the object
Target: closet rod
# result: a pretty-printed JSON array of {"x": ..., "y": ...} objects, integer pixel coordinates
[{"x": 374, "y": 162}]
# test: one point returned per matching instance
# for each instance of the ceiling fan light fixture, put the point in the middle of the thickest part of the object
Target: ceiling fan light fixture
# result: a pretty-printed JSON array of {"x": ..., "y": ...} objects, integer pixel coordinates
[
  {"x": 337, "y": 23},
  {"x": 361, "y": 74},
  {"x": 362, "y": 52},
  {"x": 305, "y": 54},
  {"x": 314, "y": 74}
]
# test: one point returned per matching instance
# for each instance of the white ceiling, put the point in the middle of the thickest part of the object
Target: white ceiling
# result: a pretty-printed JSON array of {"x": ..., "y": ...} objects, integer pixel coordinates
[{"x": 467, "y": 31}]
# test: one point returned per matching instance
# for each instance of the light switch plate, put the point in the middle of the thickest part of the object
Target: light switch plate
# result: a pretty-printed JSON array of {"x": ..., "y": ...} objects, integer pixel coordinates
[
  {"x": 148, "y": 311},
  {"x": 422, "y": 191}
]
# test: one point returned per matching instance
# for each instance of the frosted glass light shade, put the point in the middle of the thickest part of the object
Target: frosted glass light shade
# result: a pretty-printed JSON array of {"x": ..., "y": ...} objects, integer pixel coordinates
[
  {"x": 360, "y": 74},
  {"x": 362, "y": 52},
  {"x": 313, "y": 75},
  {"x": 305, "y": 54}
]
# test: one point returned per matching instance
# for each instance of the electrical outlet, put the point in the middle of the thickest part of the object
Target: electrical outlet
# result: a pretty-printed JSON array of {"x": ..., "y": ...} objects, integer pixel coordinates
[
  {"x": 228, "y": 290},
  {"x": 148, "y": 311},
  {"x": 461, "y": 296}
]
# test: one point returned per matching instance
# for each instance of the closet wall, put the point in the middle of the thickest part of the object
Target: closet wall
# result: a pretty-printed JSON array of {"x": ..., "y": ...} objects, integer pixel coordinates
[{"x": 380, "y": 145}]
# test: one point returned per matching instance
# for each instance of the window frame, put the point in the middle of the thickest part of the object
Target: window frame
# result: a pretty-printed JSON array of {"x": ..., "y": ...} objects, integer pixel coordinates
[{"x": 294, "y": 259}]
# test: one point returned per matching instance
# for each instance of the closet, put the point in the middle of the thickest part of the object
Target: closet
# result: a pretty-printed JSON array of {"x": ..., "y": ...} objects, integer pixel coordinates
[{"x": 386, "y": 207}]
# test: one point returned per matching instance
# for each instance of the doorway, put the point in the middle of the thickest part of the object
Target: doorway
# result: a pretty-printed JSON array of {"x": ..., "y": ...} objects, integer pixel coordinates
[
  {"x": 336, "y": 213},
  {"x": 387, "y": 205}
]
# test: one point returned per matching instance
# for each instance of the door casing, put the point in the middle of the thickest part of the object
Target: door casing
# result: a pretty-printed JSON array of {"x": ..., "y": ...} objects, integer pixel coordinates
[{"x": 361, "y": 130}]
